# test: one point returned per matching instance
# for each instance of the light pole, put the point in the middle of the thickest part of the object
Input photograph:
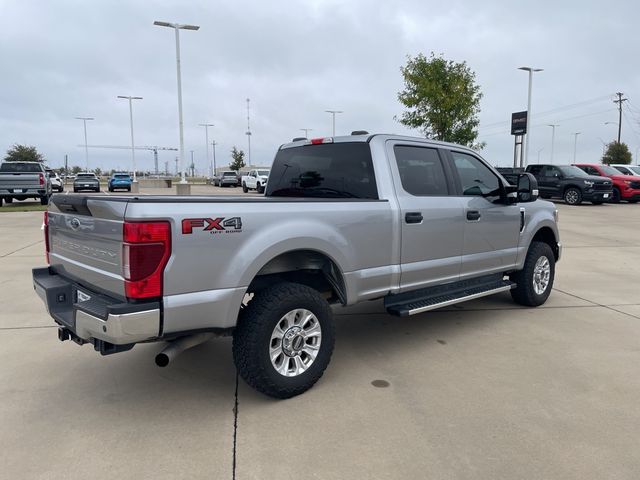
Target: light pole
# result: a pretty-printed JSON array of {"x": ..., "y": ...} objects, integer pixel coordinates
[
  {"x": 206, "y": 142},
  {"x": 133, "y": 150},
  {"x": 213, "y": 144},
  {"x": 306, "y": 131},
  {"x": 539, "y": 154},
  {"x": 248, "y": 132},
  {"x": 192, "y": 165},
  {"x": 528, "y": 136},
  {"x": 553, "y": 138},
  {"x": 333, "y": 119},
  {"x": 575, "y": 144},
  {"x": 86, "y": 148},
  {"x": 177, "y": 27}
]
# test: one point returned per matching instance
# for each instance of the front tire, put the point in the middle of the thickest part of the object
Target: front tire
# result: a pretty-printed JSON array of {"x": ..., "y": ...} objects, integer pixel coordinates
[
  {"x": 535, "y": 280},
  {"x": 284, "y": 340},
  {"x": 572, "y": 196},
  {"x": 615, "y": 198},
  {"x": 244, "y": 187},
  {"x": 259, "y": 188}
]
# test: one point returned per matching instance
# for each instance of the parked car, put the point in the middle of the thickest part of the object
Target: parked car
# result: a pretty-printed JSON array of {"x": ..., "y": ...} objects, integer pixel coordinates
[
  {"x": 437, "y": 227},
  {"x": 22, "y": 180},
  {"x": 627, "y": 169},
  {"x": 56, "y": 181},
  {"x": 119, "y": 181},
  {"x": 86, "y": 181},
  {"x": 226, "y": 179},
  {"x": 571, "y": 184},
  {"x": 625, "y": 187},
  {"x": 255, "y": 180}
]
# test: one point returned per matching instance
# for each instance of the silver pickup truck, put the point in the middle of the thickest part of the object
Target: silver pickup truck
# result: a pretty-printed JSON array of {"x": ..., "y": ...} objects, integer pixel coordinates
[
  {"x": 22, "y": 180},
  {"x": 417, "y": 223}
]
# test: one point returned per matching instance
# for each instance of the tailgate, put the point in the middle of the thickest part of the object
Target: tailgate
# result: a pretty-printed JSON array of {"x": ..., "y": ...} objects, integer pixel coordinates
[
  {"x": 86, "y": 241},
  {"x": 20, "y": 180}
]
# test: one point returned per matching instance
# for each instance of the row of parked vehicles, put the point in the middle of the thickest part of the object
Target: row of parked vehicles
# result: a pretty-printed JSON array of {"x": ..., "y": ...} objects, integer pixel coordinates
[
  {"x": 584, "y": 182},
  {"x": 253, "y": 180}
]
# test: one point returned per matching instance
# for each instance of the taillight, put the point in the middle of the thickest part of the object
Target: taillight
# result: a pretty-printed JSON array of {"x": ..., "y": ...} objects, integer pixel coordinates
[
  {"x": 319, "y": 141},
  {"x": 45, "y": 226},
  {"x": 145, "y": 252},
  {"x": 42, "y": 179}
]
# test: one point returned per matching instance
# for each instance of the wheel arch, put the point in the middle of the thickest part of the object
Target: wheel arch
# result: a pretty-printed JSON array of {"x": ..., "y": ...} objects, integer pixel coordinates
[{"x": 546, "y": 235}]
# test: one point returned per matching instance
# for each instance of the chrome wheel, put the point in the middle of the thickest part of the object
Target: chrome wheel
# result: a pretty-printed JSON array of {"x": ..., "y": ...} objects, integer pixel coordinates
[
  {"x": 541, "y": 275},
  {"x": 571, "y": 197},
  {"x": 295, "y": 342}
]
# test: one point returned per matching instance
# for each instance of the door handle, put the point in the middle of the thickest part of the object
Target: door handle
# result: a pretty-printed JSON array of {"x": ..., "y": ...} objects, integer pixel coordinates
[
  {"x": 473, "y": 215},
  {"x": 413, "y": 217}
]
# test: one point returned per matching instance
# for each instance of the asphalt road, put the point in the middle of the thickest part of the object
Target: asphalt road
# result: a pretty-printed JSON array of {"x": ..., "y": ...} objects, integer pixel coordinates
[{"x": 483, "y": 390}]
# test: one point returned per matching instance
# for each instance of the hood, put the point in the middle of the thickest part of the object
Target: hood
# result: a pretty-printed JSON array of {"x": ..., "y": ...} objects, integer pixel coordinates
[
  {"x": 597, "y": 179},
  {"x": 628, "y": 178}
]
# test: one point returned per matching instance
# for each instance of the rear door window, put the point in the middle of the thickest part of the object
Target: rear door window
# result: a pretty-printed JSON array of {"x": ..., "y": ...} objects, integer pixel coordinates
[{"x": 421, "y": 170}]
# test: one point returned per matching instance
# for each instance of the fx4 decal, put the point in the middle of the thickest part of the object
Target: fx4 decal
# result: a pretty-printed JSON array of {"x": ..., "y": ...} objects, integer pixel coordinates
[{"x": 212, "y": 225}]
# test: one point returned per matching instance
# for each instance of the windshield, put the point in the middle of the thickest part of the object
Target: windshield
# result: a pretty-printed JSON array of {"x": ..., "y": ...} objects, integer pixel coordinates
[
  {"x": 263, "y": 173},
  {"x": 571, "y": 171},
  {"x": 331, "y": 170},
  {"x": 609, "y": 170},
  {"x": 634, "y": 168},
  {"x": 14, "y": 167}
]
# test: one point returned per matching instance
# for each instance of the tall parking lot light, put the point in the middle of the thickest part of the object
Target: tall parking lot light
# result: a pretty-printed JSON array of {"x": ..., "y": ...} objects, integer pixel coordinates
[
  {"x": 177, "y": 27},
  {"x": 206, "y": 143},
  {"x": 575, "y": 144},
  {"x": 333, "y": 119},
  {"x": 553, "y": 138},
  {"x": 528, "y": 136},
  {"x": 133, "y": 149},
  {"x": 86, "y": 148}
]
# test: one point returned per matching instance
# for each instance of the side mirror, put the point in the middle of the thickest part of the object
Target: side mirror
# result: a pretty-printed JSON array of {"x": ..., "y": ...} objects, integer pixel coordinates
[{"x": 527, "y": 188}]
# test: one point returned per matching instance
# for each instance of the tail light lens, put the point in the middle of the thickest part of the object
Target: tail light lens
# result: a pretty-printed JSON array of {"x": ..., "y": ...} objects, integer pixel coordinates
[
  {"x": 45, "y": 227},
  {"x": 42, "y": 179},
  {"x": 145, "y": 252}
]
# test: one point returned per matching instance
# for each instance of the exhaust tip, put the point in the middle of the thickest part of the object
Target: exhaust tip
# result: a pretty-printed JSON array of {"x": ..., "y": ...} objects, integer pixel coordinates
[{"x": 162, "y": 359}]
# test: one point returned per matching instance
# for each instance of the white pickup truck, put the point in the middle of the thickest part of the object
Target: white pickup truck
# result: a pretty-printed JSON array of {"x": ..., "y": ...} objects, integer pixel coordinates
[{"x": 255, "y": 180}]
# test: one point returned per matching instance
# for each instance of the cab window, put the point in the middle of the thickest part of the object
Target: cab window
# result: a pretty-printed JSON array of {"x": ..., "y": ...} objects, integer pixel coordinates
[
  {"x": 476, "y": 178},
  {"x": 421, "y": 171}
]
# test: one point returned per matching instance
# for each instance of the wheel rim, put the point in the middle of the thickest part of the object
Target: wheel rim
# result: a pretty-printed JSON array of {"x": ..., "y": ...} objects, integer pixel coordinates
[
  {"x": 571, "y": 196},
  {"x": 295, "y": 342},
  {"x": 541, "y": 275}
]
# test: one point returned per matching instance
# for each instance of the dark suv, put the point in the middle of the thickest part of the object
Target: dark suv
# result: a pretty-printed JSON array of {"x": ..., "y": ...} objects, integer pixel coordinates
[{"x": 571, "y": 184}]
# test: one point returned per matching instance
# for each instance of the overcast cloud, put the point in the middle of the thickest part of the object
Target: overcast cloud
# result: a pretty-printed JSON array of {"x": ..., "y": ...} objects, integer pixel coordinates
[{"x": 63, "y": 59}]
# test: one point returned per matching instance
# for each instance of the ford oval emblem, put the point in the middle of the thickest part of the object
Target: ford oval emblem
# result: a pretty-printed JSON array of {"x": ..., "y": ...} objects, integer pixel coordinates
[{"x": 75, "y": 223}]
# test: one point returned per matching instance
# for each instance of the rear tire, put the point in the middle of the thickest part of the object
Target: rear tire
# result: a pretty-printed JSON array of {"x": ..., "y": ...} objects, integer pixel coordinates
[
  {"x": 535, "y": 280},
  {"x": 44, "y": 200},
  {"x": 572, "y": 196},
  {"x": 8, "y": 199},
  {"x": 284, "y": 340},
  {"x": 259, "y": 188},
  {"x": 244, "y": 187}
]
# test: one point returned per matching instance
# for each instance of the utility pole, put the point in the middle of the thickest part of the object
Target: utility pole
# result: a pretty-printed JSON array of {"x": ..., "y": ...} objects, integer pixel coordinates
[
  {"x": 66, "y": 166},
  {"x": 166, "y": 167},
  {"x": 248, "y": 135},
  {"x": 177, "y": 166},
  {"x": 192, "y": 165},
  {"x": 619, "y": 102},
  {"x": 213, "y": 144}
]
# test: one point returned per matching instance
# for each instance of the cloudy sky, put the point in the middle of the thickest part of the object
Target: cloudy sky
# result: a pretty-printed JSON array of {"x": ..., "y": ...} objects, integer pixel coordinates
[{"x": 296, "y": 59}]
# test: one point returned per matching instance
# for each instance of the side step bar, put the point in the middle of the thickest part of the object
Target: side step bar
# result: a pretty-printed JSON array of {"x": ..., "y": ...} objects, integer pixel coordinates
[{"x": 424, "y": 303}]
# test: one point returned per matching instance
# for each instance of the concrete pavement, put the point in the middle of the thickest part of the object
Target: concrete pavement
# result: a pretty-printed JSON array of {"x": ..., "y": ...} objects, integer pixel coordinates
[{"x": 483, "y": 390}]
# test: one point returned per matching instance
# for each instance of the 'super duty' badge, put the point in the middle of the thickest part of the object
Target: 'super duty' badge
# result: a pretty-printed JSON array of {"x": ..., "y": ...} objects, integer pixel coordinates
[{"x": 212, "y": 225}]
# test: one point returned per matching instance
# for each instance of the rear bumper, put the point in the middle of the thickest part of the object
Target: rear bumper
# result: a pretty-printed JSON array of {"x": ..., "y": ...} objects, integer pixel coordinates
[
  {"x": 23, "y": 192},
  {"x": 100, "y": 320}
]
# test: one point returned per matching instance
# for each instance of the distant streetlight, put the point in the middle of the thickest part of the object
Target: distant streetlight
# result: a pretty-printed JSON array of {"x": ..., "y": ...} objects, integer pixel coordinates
[
  {"x": 604, "y": 146},
  {"x": 248, "y": 133},
  {"x": 539, "y": 154},
  {"x": 333, "y": 119},
  {"x": 133, "y": 150},
  {"x": 206, "y": 142},
  {"x": 213, "y": 144},
  {"x": 192, "y": 165},
  {"x": 553, "y": 137},
  {"x": 575, "y": 144},
  {"x": 86, "y": 148},
  {"x": 177, "y": 27},
  {"x": 306, "y": 131},
  {"x": 528, "y": 136}
]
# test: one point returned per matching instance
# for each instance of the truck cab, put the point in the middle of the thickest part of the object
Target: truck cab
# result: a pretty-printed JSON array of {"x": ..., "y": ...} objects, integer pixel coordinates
[{"x": 255, "y": 180}]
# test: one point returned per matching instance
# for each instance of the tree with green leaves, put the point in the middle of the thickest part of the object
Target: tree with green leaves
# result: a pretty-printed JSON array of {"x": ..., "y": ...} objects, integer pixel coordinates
[
  {"x": 76, "y": 170},
  {"x": 97, "y": 171},
  {"x": 442, "y": 99},
  {"x": 23, "y": 153},
  {"x": 237, "y": 159},
  {"x": 617, "y": 153}
]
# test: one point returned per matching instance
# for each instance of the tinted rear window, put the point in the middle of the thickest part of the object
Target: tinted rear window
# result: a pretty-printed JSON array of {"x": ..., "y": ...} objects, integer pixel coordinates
[
  {"x": 122, "y": 175},
  {"x": 13, "y": 167},
  {"x": 229, "y": 174},
  {"x": 332, "y": 170}
]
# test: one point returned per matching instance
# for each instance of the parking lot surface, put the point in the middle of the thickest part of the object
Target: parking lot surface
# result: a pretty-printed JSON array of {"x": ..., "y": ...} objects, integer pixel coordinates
[{"x": 481, "y": 390}]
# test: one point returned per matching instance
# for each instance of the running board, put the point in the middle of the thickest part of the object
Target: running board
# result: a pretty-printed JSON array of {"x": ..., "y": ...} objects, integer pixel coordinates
[{"x": 425, "y": 303}]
